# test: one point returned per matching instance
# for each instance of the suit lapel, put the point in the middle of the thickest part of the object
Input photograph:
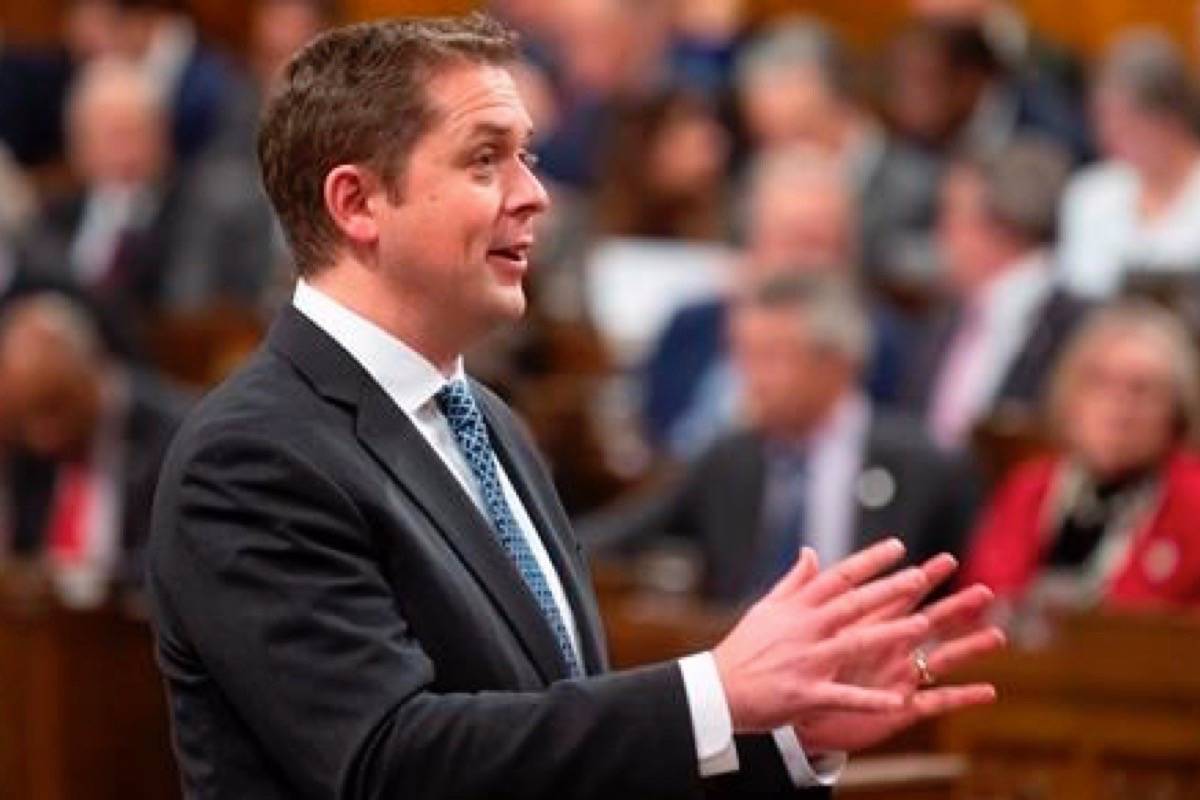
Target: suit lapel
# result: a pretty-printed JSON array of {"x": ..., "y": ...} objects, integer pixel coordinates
[
  {"x": 742, "y": 493},
  {"x": 552, "y": 529},
  {"x": 391, "y": 438}
]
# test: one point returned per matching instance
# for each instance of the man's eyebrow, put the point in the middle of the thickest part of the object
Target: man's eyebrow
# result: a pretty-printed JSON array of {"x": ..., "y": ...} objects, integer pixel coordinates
[{"x": 492, "y": 130}]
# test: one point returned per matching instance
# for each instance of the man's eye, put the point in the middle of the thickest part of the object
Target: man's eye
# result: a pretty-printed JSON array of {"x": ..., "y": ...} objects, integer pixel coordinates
[{"x": 486, "y": 158}]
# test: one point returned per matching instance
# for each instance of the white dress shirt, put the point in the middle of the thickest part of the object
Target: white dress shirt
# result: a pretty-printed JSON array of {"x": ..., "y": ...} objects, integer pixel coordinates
[
  {"x": 835, "y": 463},
  {"x": 412, "y": 383},
  {"x": 1007, "y": 309}
]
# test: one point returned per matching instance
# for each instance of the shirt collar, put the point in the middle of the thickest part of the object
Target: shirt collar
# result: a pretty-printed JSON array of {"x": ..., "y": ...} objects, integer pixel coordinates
[
  {"x": 403, "y": 373},
  {"x": 846, "y": 422}
]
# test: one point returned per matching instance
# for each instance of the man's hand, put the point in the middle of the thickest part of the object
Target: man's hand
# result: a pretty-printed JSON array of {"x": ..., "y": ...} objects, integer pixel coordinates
[
  {"x": 784, "y": 659},
  {"x": 955, "y": 624}
]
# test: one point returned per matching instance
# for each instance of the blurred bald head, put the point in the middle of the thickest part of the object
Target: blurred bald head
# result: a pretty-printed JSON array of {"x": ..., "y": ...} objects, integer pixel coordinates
[
  {"x": 116, "y": 124},
  {"x": 802, "y": 213},
  {"x": 52, "y": 370}
]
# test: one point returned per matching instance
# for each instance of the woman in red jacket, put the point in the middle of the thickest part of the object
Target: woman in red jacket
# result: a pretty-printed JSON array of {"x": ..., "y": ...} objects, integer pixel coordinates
[{"x": 1116, "y": 515}]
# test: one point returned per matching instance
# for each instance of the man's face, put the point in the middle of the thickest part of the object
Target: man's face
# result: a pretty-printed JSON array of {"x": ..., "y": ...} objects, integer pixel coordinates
[
  {"x": 789, "y": 106},
  {"x": 460, "y": 232},
  {"x": 117, "y": 139},
  {"x": 805, "y": 224},
  {"x": 790, "y": 383}
]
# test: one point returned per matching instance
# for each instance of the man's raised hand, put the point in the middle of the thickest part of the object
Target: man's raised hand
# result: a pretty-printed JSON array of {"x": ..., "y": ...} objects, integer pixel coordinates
[{"x": 782, "y": 661}]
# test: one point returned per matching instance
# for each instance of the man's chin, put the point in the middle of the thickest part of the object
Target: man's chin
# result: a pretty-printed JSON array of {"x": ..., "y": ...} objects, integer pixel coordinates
[{"x": 509, "y": 304}]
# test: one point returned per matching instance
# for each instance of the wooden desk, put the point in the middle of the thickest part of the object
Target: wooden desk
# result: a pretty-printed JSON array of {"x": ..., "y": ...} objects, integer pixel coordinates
[
  {"x": 907, "y": 776},
  {"x": 1109, "y": 709},
  {"x": 82, "y": 711}
]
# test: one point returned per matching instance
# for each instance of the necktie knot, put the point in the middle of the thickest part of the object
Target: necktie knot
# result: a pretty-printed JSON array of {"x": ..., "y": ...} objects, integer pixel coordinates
[{"x": 457, "y": 403}]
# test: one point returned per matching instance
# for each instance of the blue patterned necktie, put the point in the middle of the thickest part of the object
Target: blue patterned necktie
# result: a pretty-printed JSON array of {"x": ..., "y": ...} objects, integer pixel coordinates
[{"x": 466, "y": 423}]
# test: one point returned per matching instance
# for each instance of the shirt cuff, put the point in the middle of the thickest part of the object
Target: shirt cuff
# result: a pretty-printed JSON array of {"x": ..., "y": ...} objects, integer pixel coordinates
[
  {"x": 716, "y": 752},
  {"x": 822, "y": 771}
]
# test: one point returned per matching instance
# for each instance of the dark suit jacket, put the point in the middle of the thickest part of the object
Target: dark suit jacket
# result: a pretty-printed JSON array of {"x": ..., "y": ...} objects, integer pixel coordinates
[
  {"x": 718, "y": 504},
  {"x": 897, "y": 204},
  {"x": 34, "y": 84},
  {"x": 153, "y": 416},
  {"x": 136, "y": 285},
  {"x": 336, "y": 620},
  {"x": 1060, "y": 314}
]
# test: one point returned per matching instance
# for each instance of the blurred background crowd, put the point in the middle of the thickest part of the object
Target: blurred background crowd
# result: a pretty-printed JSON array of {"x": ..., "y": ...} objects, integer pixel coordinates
[{"x": 791, "y": 290}]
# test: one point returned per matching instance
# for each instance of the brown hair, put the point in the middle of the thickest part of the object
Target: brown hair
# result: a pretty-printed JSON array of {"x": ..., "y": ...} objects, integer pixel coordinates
[
  {"x": 629, "y": 203},
  {"x": 356, "y": 95}
]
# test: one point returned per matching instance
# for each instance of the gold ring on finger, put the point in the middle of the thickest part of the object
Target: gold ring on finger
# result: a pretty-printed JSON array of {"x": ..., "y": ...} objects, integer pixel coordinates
[{"x": 921, "y": 662}]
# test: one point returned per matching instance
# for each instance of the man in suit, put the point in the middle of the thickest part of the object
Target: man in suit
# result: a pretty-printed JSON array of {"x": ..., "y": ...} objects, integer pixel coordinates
[
  {"x": 88, "y": 438},
  {"x": 801, "y": 219},
  {"x": 362, "y": 581},
  {"x": 115, "y": 237},
  {"x": 816, "y": 463},
  {"x": 997, "y": 341}
]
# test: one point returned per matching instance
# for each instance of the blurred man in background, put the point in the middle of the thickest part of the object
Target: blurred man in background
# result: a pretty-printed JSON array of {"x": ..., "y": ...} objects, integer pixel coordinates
[
  {"x": 605, "y": 50},
  {"x": 87, "y": 438},
  {"x": 816, "y": 464},
  {"x": 795, "y": 85},
  {"x": 945, "y": 89},
  {"x": 35, "y": 82},
  {"x": 800, "y": 219},
  {"x": 114, "y": 237},
  {"x": 1007, "y": 319}
]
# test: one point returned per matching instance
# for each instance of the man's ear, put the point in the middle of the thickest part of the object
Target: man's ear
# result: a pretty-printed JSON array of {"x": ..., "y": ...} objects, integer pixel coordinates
[{"x": 348, "y": 191}]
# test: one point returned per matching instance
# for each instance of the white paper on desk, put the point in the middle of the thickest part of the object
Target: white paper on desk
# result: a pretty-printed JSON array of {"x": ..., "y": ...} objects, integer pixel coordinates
[{"x": 635, "y": 285}]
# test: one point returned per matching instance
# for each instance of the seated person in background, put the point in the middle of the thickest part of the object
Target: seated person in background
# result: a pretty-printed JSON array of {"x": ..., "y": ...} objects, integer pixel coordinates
[
  {"x": 1115, "y": 511},
  {"x": 35, "y": 80},
  {"x": 1039, "y": 63},
  {"x": 801, "y": 213},
  {"x": 87, "y": 439},
  {"x": 114, "y": 236},
  {"x": 945, "y": 89},
  {"x": 817, "y": 465},
  {"x": 194, "y": 80},
  {"x": 1007, "y": 319},
  {"x": 795, "y": 85},
  {"x": 1139, "y": 209}
]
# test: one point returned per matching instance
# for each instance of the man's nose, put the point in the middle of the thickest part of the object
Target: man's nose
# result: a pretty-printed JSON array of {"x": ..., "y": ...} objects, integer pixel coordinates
[{"x": 528, "y": 196}]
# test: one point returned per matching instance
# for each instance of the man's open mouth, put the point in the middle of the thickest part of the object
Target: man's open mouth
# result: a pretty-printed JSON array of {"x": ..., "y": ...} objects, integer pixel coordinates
[{"x": 517, "y": 254}]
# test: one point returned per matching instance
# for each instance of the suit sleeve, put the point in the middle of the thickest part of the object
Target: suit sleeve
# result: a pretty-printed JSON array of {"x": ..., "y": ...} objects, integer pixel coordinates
[{"x": 264, "y": 570}]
